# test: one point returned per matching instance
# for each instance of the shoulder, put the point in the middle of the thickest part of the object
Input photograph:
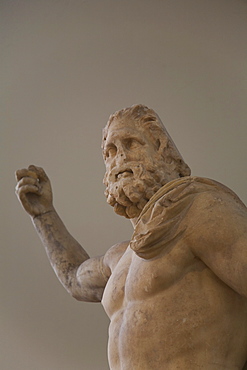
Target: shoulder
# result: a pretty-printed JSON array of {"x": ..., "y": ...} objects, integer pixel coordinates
[
  {"x": 215, "y": 201},
  {"x": 188, "y": 209},
  {"x": 199, "y": 198},
  {"x": 216, "y": 220},
  {"x": 114, "y": 254}
]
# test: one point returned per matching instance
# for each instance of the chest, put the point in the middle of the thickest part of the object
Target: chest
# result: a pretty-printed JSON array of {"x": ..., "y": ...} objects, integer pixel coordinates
[{"x": 135, "y": 278}]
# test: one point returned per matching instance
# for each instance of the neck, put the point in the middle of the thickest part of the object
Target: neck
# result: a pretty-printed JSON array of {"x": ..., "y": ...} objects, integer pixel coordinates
[{"x": 166, "y": 186}]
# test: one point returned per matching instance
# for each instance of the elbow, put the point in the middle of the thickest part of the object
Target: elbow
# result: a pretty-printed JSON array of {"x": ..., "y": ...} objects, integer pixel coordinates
[
  {"x": 75, "y": 293},
  {"x": 85, "y": 292},
  {"x": 76, "y": 296},
  {"x": 86, "y": 296}
]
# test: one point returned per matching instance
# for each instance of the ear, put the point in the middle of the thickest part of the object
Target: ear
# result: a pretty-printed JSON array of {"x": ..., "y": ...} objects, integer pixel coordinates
[
  {"x": 160, "y": 140},
  {"x": 161, "y": 143}
]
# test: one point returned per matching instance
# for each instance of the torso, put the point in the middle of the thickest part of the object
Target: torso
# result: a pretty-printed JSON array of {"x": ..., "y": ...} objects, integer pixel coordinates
[{"x": 172, "y": 312}]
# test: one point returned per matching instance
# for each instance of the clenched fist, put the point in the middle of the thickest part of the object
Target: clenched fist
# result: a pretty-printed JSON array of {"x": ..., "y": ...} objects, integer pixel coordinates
[{"x": 33, "y": 190}]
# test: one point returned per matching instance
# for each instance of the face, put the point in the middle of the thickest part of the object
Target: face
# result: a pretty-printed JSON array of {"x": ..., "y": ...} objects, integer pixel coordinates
[
  {"x": 126, "y": 145},
  {"x": 133, "y": 168}
]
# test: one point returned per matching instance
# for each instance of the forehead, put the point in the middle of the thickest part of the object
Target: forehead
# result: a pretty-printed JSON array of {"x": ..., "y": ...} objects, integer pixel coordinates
[{"x": 124, "y": 128}]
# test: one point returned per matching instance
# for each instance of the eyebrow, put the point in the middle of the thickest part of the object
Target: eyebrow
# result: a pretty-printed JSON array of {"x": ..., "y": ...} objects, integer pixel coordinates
[
  {"x": 124, "y": 135},
  {"x": 109, "y": 145}
]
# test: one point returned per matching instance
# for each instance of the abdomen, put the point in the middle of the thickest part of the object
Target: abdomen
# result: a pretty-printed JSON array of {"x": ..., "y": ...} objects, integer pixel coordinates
[{"x": 197, "y": 321}]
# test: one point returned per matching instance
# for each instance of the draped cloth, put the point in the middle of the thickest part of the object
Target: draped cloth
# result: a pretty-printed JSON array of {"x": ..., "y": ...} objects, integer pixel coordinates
[{"x": 184, "y": 206}]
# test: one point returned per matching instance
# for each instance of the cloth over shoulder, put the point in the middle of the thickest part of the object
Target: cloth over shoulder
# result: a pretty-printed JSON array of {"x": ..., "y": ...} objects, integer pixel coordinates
[{"x": 181, "y": 207}]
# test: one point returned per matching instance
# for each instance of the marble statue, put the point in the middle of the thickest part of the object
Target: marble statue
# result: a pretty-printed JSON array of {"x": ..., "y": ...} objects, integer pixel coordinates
[{"x": 176, "y": 293}]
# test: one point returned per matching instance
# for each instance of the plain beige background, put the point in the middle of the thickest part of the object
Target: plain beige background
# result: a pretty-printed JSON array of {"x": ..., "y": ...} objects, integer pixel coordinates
[{"x": 66, "y": 66}]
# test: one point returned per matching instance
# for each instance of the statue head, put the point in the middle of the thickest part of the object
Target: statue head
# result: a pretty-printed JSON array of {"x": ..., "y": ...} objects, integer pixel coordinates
[{"x": 140, "y": 158}]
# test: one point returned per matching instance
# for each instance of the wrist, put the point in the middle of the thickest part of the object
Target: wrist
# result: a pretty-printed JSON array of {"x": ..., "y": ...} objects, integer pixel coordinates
[{"x": 40, "y": 215}]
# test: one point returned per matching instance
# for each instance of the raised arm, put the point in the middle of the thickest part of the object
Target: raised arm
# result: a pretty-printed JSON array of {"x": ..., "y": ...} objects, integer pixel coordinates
[{"x": 83, "y": 277}]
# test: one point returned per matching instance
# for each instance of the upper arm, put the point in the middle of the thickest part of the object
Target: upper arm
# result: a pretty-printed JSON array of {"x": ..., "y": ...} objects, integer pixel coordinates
[
  {"x": 228, "y": 263},
  {"x": 93, "y": 274},
  {"x": 218, "y": 237},
  {"x": 90, "y": 281}
]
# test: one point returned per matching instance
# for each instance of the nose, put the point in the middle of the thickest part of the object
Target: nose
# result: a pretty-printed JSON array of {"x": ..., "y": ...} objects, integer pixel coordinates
[{"x": 121, "y": 154}]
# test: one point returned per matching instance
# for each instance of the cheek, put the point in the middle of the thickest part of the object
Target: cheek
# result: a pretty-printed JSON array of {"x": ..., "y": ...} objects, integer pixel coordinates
[
  {"x": 105, "y": 178},
  {"x": 109, "y": 164},
  {"x": 108, "y": 176},
  {"x": 151, "y": 158}
]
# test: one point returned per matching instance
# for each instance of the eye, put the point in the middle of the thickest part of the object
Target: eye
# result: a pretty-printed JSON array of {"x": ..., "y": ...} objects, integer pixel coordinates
[{"x": 132, "y": 143}]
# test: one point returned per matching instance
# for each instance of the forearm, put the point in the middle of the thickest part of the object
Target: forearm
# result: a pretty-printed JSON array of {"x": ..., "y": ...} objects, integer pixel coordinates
[{"x": 64, "y": 252}]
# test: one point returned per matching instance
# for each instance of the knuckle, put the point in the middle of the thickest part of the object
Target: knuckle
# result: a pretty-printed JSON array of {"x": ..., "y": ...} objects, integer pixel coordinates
[
  {"x": 18, "y": 174},
  {"x": 32, "y": 174},
  {"x": 22, "y": 190},
  {"x": 32, "y": 167}
]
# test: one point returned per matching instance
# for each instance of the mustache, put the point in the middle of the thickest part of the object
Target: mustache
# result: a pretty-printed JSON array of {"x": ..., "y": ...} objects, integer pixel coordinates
[{"x": 135, "y": 169}]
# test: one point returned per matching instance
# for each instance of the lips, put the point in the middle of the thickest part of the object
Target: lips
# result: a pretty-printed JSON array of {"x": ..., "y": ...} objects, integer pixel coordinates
[
  {"x": 125, "y": 173},
  {"x": 132, "y": 169}
]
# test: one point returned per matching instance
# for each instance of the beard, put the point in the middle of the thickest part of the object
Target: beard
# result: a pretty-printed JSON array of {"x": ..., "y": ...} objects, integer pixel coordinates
[{"x": 130, "y": 187}]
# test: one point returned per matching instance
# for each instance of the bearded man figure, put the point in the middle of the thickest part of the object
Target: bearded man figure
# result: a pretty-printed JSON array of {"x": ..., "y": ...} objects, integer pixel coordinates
[
  {"x": 176, "y": 293},
  {"x": 147, "y": 159}
]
